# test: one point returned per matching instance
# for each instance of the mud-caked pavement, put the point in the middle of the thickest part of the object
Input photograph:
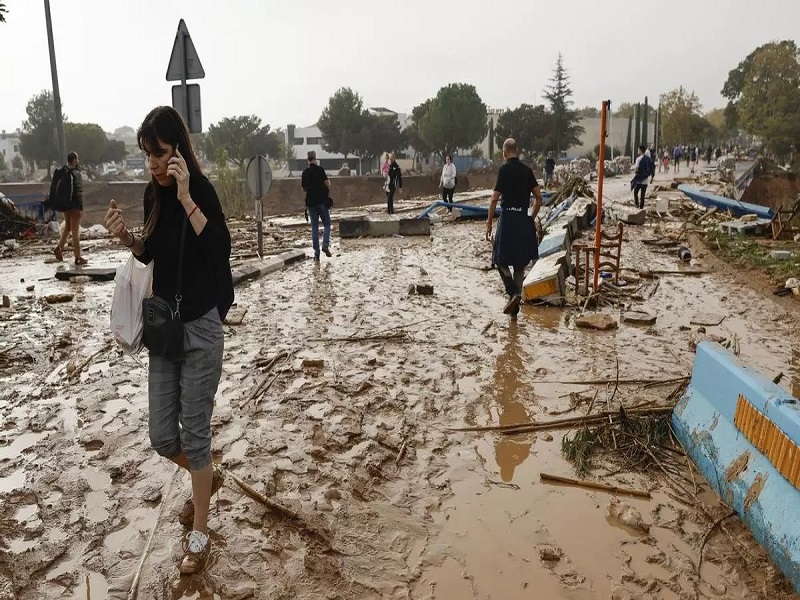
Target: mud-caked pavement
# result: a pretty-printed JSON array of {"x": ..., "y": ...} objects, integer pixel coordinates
[{"x": 336, "y": 397}]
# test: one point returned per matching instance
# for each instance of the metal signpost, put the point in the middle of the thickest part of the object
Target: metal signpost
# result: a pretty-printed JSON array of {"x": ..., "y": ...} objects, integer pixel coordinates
[
  {"x": 259, "y": 181},
  {"x": 185, "y": 64}
]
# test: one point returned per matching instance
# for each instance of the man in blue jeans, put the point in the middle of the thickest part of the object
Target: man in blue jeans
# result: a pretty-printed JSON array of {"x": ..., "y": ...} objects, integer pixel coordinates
[{"x": 317, "y": 187}]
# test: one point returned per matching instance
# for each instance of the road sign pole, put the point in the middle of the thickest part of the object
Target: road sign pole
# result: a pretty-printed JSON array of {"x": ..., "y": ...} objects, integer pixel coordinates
[
  {"x": 184, "y": 70},
  {"x": 260, "y": 211},
  {"x": 62, "y": 144}
]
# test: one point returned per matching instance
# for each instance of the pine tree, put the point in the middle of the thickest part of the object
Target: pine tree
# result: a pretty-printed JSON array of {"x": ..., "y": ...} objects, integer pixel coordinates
[
  {"x": 559, "y": 95},
  {"x": 628, "y": 149}
]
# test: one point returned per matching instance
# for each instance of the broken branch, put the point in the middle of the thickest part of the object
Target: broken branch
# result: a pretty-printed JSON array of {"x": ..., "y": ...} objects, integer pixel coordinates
[{"x": 594, "y": 485}]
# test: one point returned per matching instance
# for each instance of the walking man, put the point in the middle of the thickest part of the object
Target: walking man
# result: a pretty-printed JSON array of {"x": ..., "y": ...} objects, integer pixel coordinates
[
  {"x": 72, "y": 215},
  {"x": 549, "y": 169},
  {"x": 317, "y": 187},
  {"x": 515, "y": 242},
  {"x": 676, "y": 156},
  {"x": 645, "y": 170}
]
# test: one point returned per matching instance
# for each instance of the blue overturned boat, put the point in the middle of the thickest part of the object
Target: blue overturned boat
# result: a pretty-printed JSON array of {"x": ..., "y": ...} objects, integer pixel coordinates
[
  {"x": 736, "y": 207},
  {"x": 743, "y": 433}
]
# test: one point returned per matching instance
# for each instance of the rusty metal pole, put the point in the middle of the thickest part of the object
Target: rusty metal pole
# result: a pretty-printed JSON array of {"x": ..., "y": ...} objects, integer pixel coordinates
[{"x": 600, "y": 176}]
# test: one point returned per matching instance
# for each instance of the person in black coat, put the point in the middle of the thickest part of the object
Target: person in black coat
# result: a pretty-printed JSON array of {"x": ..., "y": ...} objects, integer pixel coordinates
[
  {"x": 515, "y": 243},
  {"x": 395, "y": 183}
]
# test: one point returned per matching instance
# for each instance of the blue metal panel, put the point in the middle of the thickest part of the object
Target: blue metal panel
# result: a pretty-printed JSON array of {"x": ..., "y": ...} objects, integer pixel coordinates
[{"x": 704, "y": 422}]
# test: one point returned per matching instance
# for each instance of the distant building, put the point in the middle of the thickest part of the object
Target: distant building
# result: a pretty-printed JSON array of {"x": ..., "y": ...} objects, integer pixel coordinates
[
  {"x": 489, "y": 144},
  {"x": 9, "y": 147},
  {"x": 306, "y": 139}
]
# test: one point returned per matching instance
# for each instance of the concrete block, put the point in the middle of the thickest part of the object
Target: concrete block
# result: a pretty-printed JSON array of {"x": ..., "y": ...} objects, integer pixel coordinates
[
  {"x": 630, "y": 215},
  {"x": 384, "y": 228},
  {"x": 740, "y": 227},
  {"x": 553, "y": 242},
  {"x": 271, "y": 264},
  {"x": 244, "y": 273},
  {"x": 780, "y": 254},
  {"x": 353, "y": 227},
  {"x": 415, "y": 226},
  {"x": 584, "y": 210},
  {"x": 546, "y": 281},
  {"x": 742, "y": 432},
  {"x": 292, "y": 256}
]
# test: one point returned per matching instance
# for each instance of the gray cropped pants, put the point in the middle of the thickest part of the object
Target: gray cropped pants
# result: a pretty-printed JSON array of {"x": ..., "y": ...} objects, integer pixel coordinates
[{"x": 181, "y": 393}]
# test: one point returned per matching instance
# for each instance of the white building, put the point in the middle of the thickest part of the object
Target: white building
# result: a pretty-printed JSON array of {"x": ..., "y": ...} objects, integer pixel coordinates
[
  {"x": 9, "y": 147},
  {"x": 306, "y": 139}
]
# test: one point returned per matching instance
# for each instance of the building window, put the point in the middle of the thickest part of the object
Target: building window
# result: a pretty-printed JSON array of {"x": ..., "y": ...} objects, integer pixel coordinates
[
  {"x": 16, "y": 149},
  {"x": 315, "y": 141},
  {"x": 298, "y": 141}
]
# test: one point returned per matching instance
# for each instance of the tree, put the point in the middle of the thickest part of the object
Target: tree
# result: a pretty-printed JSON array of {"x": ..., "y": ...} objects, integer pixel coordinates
[
  {"x": 38, "y": 137},
  {"x": 588, "y": 112},
  {"x": 455, "y": 118},
  {"x": 769, "y": 103},
  {"x": 88, "y": 140},
  {"x": 533, "y": 128},
  {"x": 115, "y": 151},
  {"x": 677, "y": 108},
  {"x": 17, "y": 164},
  {"x": 342, "y": 122},
  {"x": 567, "y": 131},
  {"x": 242, "y": 138},
  {"x": 413, "y": 131},
  {"x": 379, "y": 133},
  {"x": 629, "y": 138},
  {"x": 701, "y": 130},
  {"x": 3, "y": 12}
]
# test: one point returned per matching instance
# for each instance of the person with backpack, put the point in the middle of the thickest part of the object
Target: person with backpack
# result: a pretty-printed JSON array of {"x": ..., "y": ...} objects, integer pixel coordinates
[{"x": 66, "y": 195}]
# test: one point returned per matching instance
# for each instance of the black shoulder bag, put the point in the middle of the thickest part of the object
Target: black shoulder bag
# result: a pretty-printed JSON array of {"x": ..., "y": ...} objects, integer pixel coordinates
[{"x": 162, "y": 331}]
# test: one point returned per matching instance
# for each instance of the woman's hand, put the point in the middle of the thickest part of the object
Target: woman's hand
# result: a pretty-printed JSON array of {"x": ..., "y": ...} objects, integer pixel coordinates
[
  {"x": 116, "y": 224},
  {"x": 180, "y": 172}
]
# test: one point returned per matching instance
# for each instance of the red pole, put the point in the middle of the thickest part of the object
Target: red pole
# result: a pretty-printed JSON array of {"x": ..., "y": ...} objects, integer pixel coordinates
[{"x": 600, "y": 176}]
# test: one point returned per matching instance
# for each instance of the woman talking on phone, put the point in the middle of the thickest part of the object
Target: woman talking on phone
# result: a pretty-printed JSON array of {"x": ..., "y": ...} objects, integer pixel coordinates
[{"x": 186, "y": 238}]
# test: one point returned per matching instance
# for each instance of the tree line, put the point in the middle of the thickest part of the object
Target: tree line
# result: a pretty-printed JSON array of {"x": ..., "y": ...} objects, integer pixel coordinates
[
  {"x": 454, "y": 119},
  {"x": 763, "y": 94}
]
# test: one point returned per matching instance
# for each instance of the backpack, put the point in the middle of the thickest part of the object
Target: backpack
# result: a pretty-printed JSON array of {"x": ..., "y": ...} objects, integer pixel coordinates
[{"x": 60, "y": 197}]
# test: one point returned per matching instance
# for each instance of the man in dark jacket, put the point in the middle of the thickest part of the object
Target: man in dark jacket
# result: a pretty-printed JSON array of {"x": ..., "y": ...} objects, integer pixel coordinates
[
  {"x": 515, "y": 244},
  {"x": 645, "y": 171},
  {"x": 317, "y": 187},
  {"x": 72, "y": 215},
  {"x": 395, "y": 183}
]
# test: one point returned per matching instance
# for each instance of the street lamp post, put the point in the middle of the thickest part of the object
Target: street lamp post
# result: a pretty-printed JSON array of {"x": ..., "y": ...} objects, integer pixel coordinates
[{"x": 62, "y": 143}]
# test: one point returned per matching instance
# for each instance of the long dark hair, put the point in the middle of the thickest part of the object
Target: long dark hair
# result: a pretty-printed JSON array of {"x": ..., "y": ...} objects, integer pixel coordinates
[{"x": 166, "y": 125}]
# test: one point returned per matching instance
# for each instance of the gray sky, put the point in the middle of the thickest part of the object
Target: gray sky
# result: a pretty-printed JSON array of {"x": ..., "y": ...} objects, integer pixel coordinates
[{"x": 282, "y": 59}]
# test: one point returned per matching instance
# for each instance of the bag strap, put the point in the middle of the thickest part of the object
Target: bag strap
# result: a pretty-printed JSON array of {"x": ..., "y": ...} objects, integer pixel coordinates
[{"x": 178, "y": 296}]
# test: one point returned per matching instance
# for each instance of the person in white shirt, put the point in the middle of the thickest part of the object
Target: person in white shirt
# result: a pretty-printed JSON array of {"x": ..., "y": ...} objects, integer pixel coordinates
[{"x": 448, "y": 181}]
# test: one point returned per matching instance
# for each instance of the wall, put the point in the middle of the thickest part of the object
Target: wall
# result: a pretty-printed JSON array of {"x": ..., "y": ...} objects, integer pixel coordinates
[{"x": 285, "y": 197}]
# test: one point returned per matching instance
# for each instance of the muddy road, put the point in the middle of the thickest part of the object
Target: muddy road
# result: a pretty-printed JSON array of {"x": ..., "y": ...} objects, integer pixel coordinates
[{"x": 337, "y": 393}]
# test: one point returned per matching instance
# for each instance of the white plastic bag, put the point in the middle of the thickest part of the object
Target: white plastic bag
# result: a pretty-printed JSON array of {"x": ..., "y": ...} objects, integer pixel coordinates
[{"x": 134, "y": 282}]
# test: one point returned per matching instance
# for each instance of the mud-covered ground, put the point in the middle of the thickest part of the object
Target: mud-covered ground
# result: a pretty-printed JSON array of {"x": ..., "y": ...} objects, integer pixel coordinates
[{"x": 348, "y": 430}]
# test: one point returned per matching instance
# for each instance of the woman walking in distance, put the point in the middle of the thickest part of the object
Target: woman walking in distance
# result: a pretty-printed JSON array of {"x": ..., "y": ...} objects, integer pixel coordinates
[
  {"x": 448, "y": 181},
  {"x": 181, "y": 392},
  {"x": 395, "y": 183}
]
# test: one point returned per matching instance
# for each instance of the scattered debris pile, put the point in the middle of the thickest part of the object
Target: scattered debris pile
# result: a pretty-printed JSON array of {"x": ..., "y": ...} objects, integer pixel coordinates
[
  {"x": 633, "y": 440},
  {"x": 13, "y": 224}
]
